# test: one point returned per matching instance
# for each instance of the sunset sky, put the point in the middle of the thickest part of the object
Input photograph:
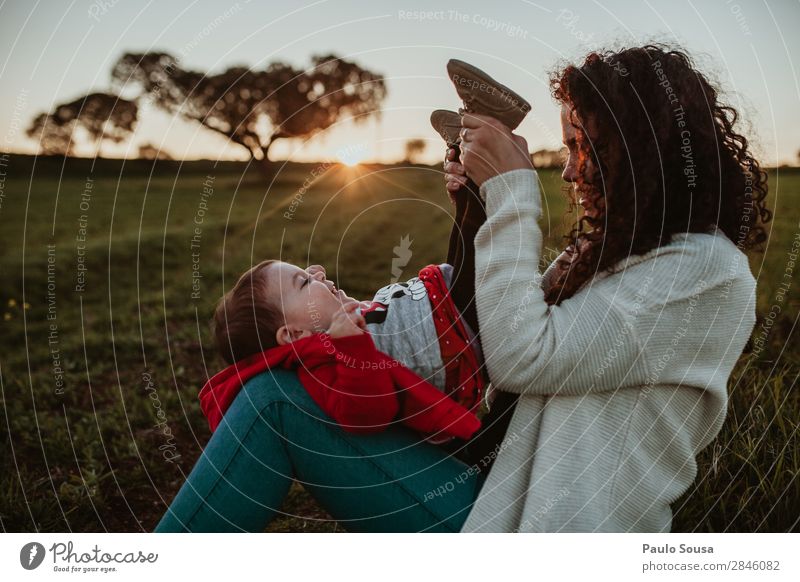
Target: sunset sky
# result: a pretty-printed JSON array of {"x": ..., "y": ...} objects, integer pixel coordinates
[{"x": 53, "y": 51}]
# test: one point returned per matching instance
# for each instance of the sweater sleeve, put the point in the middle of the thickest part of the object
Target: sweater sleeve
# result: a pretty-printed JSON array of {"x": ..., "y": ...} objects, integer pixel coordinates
[
  {"x": 531, "y": 347},
  {"x": 359, "y": 396}
]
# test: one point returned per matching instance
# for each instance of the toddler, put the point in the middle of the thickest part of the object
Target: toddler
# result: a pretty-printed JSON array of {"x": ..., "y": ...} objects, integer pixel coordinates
[{"x": 405, "y": 356}]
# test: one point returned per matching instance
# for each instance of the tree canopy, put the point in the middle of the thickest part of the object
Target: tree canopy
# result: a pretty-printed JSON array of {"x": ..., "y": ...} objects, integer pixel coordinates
[
  {"x": 414, "y": 148},
  {"x": 254, "y": 108},
  {"x": 96, "y": 117}
]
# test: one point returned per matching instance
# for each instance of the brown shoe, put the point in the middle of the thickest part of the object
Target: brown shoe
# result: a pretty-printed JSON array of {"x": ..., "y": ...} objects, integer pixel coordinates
[
  {"x": 447, "y": 124},
  {"x": 483, "y": 95}
]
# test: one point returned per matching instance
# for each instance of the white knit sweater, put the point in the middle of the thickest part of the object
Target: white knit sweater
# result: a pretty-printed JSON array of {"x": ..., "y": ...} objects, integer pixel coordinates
[{"x": 621, "y": 385}]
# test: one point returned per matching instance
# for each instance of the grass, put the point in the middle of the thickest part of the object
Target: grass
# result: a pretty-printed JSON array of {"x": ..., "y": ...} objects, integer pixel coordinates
[{"x": 85, "y": 456}]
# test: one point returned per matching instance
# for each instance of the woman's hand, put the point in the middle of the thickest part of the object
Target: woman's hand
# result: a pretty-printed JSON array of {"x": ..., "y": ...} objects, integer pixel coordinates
[
  {"x": 347, "y": 321},
  {"x": 488, "y": 148},
  {"x": 454, "y": 174}
]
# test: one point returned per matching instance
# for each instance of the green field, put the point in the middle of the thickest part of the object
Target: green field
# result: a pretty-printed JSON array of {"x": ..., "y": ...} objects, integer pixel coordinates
[{"x": 109, "y": 282}]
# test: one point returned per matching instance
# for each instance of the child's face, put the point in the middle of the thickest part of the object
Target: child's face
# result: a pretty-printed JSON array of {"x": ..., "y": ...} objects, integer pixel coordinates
[{"x": 306, "y": 298}]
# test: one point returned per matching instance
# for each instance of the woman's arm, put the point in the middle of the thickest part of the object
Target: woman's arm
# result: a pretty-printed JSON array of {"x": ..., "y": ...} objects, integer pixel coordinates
[
  {"x": 673, "y": 316},
  {"x": 583, "y": 345}
]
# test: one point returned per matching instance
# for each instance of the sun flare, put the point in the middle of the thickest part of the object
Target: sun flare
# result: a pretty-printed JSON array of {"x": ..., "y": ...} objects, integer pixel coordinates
[{"x": 353, "y": 155}]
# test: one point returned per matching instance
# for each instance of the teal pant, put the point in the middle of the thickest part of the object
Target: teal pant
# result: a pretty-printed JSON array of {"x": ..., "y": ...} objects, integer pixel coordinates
[{"x": 274, "y": 433}]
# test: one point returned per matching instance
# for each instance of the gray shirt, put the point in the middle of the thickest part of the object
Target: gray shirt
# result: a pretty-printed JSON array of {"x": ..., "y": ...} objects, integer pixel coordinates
[{"x": 400, "y": 321}]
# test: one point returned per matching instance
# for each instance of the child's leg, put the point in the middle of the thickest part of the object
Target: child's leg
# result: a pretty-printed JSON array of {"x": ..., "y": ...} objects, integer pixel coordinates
[{"x": 470, "y": 215}]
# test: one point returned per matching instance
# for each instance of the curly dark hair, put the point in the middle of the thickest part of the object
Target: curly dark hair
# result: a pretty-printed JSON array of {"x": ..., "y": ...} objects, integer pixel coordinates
[{"x": 665, "y": 157}]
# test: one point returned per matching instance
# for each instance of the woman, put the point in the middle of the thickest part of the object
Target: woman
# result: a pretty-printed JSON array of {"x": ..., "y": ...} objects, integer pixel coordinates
[{"x": 611, "y": 366}]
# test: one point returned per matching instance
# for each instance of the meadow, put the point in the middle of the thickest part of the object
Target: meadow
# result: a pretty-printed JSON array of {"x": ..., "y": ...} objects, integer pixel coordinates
[{"x": 111, "y": 270}]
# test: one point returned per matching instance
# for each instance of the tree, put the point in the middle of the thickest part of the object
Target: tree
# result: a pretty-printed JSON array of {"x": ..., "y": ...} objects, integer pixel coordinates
[
  {"x": 549, "y": 158},
  {"x": 148, "y": 151},
  {"x": 254, "y": 108},
  {"x": 414, "y": 147},
  {"x": 96, "y": 117}
]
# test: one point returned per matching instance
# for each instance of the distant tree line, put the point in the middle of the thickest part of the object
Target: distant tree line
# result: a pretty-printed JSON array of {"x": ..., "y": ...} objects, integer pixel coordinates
[
  {"x": 549, "y": 158},
  {"x": 414, "y": 148}
]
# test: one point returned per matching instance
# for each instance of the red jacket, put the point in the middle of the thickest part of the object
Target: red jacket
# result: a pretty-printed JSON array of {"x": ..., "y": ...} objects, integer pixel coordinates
[{"x": 362, "y": 389}]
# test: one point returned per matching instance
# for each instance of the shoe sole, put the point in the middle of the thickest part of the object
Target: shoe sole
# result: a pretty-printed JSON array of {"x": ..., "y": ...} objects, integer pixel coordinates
[
  {"x": 447, "y": 124},
  {"x": 483, "y": 95}
]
